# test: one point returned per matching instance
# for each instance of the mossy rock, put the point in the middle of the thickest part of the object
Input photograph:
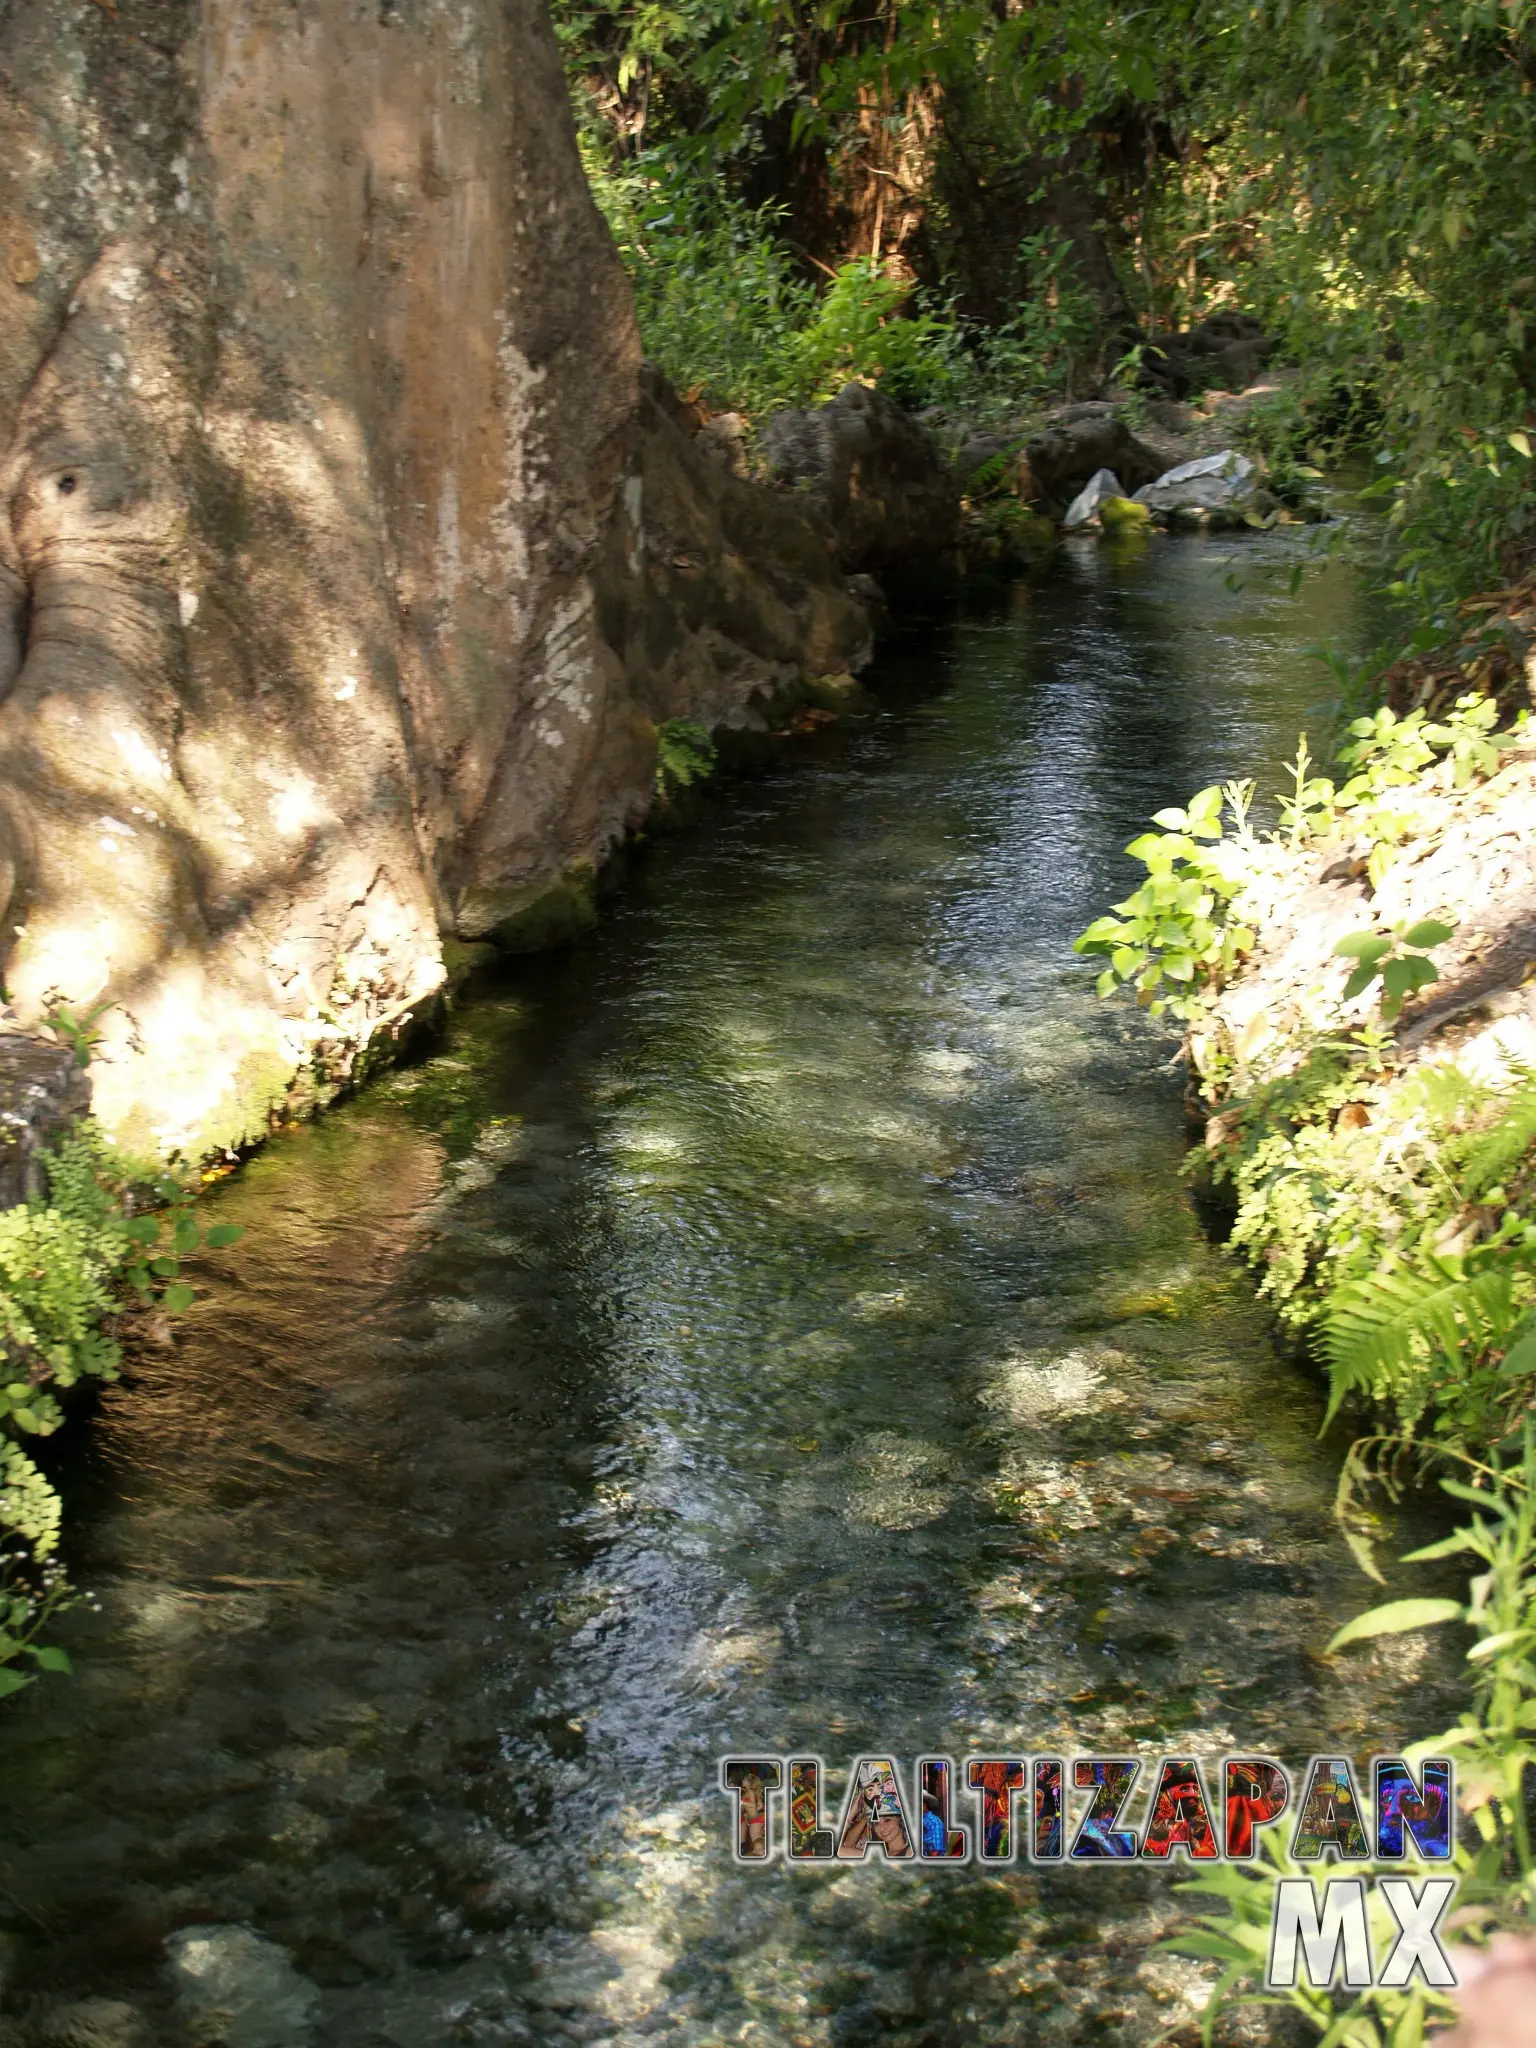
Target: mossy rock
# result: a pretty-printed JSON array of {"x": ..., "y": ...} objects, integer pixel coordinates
[
  {"x": 533, "y": 919},
  {"x": 842, "y": 693},
  {"x": 461, "y": 959},
  {"x": 1124, "y": 515}
]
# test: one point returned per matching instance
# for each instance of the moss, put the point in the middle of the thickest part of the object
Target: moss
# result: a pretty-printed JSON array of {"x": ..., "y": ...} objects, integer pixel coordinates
[
  {"x": 463, "y": 958},
  {"x": 536, "y": 918},
  {"x": 842, "y": 693}
]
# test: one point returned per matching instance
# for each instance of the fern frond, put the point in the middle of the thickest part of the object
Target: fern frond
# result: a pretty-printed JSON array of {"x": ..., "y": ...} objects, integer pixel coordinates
[
  {"x": 1497, "y": 1152},
  {"x": 1374, "y": 1327}
]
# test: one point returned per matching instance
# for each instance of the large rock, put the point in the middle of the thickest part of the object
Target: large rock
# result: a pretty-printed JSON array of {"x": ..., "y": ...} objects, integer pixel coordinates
[
  {"x": 1074, "y": 444},
  {"x": 1222, "y": 353},
  {"x": 43, "y": 1089},
  {"x": 1209, "y": 483},
  {"x": 874, "y": 474},
  {"x": 333, "y": 600},
  {"x": 88, "y": 2023}
]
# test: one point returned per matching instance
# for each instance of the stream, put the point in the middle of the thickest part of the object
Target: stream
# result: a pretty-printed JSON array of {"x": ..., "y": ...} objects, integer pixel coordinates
[{"x": 777, "y": 1324}]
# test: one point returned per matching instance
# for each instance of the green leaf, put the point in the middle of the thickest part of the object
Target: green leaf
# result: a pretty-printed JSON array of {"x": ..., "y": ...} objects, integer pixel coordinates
[
  {"x": 178, "y": 1299},
  {"x": 143, "y": 1229},
  {"x": 1396, "y": 979},
  {"x": 188, "y": 1236},
  {"x": 224, "y": 1233},
  {"x": 165, "y": 1269},
  {"x": 1429, "y": 932},
  {"x": 1521, "y": 1355},
  {"x": 1368, "y": 946},
  {"x": 1521, "y": 444},
  {"x": 1448, "y": 1546},
  {"x": 50, "y": 1658},
  {"x": 1491, "y": 1645},
  {"x": 1359, "y": 981},
  {"x": 1099, "y": 934},
  {"x": 12, "y": 1681},
  {"x": 1396, "y": 1618}
]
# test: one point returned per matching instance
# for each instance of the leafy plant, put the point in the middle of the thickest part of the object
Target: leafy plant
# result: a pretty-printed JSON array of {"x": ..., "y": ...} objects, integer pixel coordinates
[
  {"x": 1308, "y": 811},
  {"x": 70, "y": 1265},
  {"x": 1394, "y": 1333},
  {"x": 1494, "y": 1744},
  {"x": 79, "y": 1033},
  {"x": 685, "y": 754},
  {"x": 1397, "y": 959},
  {"x": 1168, "y": 938}
]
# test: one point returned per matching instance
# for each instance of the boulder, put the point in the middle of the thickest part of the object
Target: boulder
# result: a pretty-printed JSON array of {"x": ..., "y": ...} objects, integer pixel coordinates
[
  {"x": 43, "y": 1089},
  {"x": 1074, "y": 444},
  {"x": 88, "y": 2023},
  {"x": 1102, "y": 486},
  {"x": 875, "y": 476},
  {"x": 1222, "y": 353},
  {"x": 1222, "y": 483},
  {"x": 723, "y": 437},
  {"x": 977, "y": 452}
]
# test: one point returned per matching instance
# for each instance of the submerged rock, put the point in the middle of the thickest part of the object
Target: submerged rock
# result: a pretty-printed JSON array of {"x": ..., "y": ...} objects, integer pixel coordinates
[
  {"x": 88, "y": 2023},
  {"x": 236, "y": 1989}
]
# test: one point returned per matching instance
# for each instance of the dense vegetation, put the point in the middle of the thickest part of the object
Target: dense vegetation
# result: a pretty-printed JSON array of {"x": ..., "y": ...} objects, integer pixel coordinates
[{"x": 986, "y": 205}]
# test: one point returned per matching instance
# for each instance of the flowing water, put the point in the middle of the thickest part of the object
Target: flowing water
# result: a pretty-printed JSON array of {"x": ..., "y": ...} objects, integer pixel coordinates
[{"x": 777, "y": 1324}]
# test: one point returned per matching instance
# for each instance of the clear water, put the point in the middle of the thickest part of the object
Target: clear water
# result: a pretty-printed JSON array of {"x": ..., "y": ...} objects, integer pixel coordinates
[{"x": 778, "y": 1323}]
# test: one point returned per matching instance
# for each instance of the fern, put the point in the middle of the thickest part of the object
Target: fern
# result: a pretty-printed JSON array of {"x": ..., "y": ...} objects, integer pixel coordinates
[
  {"x": 988, "y": 476},
  {"x": 685, "y": 754},
  {"x": 1498, "y": 1152},
  {"x": 1378, "y": 1328}
]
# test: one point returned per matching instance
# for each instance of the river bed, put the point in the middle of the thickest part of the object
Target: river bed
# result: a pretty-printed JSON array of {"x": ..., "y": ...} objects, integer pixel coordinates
[{"x": 775, "y": 1324}]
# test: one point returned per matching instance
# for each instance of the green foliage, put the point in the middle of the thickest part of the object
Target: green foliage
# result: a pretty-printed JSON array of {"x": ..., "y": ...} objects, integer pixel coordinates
[
  {"x": 1169, "y": 939},
  {"x": 856, "y": 330},
  {"x": 1391, "y": 1217},
  {"x": 1179, "y": 936},
  {"x": 1494, "y": 1744},
  {"x": 1359, "y": 178},
  {"x": 101, "y": 1243},
  {"x": 685, "y": 754},
  {"x": 1391, "y": 958},
  {"x": 1398, "y": 1331},
  {"x": 725, "y": 311},
  {"x": 79, "y": 1033},
  {"x": 1391, "y": 1213},
  {"x": 718, "y": 298}
]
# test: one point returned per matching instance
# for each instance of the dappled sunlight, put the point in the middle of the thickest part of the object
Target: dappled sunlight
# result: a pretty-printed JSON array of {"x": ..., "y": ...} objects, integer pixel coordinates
[
  {"x": 1032, "y": 1388},
  {"x": 789, "y": 1333}
]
